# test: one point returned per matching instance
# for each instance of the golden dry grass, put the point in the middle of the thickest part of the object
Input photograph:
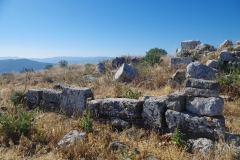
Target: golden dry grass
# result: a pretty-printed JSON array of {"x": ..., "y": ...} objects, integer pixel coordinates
[{"x": 51, "y": 127}]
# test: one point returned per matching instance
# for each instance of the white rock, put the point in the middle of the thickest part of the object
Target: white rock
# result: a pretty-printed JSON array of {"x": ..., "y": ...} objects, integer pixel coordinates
[
  {"x": 125, "y": 73},
  {"x": 190, "y": 44},
  {"x": 74, "y": 137}
]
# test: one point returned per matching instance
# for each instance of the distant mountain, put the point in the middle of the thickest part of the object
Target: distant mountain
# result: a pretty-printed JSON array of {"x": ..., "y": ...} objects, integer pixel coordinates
[
  {"x": 72, "y": 60},
  {"x": 3, "y": 58},
  {"x": 17, "y": 65}
]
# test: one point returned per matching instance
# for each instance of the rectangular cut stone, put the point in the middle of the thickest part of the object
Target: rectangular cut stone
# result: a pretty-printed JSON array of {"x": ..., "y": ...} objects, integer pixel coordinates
[
  {"x": 188, "y": 91},
  {"x": 153, "y": 112},
  {"x": 74, "y": 99},
  {"x": 212, "y": 106},
  {"x": 195, "y": 125},
  {"x": 34, "y": 96},
  {"x": 49, "y": 106},
  {"x": 117, "y": 107},
  {"x": 202, "y": 84},
  {"x": 176, "y": 101},
  {"x": 180, "y": 61},
  {"x": 51, "y": 95}
]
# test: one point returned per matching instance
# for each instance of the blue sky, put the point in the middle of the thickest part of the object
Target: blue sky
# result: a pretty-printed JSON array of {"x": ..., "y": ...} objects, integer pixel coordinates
[{"x": 49, "y": 28}]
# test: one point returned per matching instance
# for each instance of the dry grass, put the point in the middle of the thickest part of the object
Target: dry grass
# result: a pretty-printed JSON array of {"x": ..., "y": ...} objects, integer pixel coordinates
[{"x": 51, "y": 127}]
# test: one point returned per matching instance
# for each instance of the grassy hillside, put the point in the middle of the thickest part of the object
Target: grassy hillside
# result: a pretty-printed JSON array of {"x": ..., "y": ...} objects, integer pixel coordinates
[{"x": 49, "y": 127}]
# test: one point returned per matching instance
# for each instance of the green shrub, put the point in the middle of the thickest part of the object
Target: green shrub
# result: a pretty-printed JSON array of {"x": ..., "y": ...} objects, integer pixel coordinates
[
  {"x": 86, "y": 122},
  {"x": 27, "y": 70},
  {"x": 63, "y": 63},
  {"x": 177, "y": 137},
  {"x": 128, "y": 93},
  {"x": 153, "y": 56},
  {"x": 49, "y": 66},
  {"x": 17, "y": 98},
  {"x": 16, "y": 122}
]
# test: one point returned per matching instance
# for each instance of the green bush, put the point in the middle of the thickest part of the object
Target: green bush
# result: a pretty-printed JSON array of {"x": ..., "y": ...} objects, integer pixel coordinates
[
  {"x": 177, "y": 137},
  {"x": 17, "y": 98},
  {"x": 16, "y": 122},
  {"x": 86, "y": 122},
  {"x": 63, "y": 63},
  {"x": 27, "y": 70},
  {"x": 49, "y": 66},
  {"x": 153, "y": 56},
  {"x": 128, "y": 93}
]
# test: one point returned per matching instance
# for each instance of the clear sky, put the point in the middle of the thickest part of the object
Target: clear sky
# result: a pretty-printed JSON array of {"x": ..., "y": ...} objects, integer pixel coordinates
[{"x": 49, "y": 28}]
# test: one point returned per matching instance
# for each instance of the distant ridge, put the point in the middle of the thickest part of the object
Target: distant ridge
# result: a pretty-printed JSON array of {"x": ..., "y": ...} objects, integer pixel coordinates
[
  {"x": 17, "y": 65},
  {"x": 72, "y": 60}
]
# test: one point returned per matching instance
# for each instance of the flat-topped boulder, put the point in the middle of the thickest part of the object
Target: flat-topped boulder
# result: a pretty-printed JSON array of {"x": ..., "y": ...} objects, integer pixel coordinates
[
  {"x": 74, "y": 99},
  {"x": 51, "y": 95},
  {"x": 212, "y": 106},
  {"x": 190, "y": 44},
  {"x": 200, "y": 71},
  {"x": 34, "y": 96},
  {"x": 125, "y": 73},
  {"x": 195, "y": 125},
  {"x": 213, "y": 63},
  {"x": 116, "y": 107}
]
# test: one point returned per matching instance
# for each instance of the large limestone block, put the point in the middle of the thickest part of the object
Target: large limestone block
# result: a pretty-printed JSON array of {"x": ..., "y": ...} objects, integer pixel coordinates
[
  {"x": 100, "y": 67},
  {"x": 195, "y": 125},
  {"x": 188, "y": 91},
  {"x": 176, "y": 101},
  {"x": 153, "y": 112},
  {"x": 226, "y": 43},
  {"x": 180, "y": 61},
  {"x": 34, "y": 96},
  {"x": 200, "y": 71},
  {"x": 225, "y": 56},
  {"x": 74, "y": 99},
  {"x": 49, "y": 106},
  {"x": 190, "y": 44},
  {"x": 213, "y": 63},
  {"x": 51, "y": 95},
  {"x": 202, "y": 145},
  {"x": 202, "y": 84},
  {"x": 117, "y": 107},
  {"x": 212, "y": 106},
  {"x": 125, "y": 73}
]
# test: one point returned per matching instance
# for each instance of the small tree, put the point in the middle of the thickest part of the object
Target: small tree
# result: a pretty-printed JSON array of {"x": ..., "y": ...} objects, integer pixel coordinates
[
  {"x": 49, "y": 66},
  {"x": 63, "y": 63},
  {"x": 153, "y": 55}
]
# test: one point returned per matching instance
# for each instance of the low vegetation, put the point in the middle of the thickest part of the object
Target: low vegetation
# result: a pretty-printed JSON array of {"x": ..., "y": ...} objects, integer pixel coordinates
[{"x": 38, "y": 132}]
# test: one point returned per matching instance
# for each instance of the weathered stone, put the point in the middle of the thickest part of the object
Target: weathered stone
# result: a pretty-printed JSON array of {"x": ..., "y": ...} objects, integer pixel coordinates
[
  {"x": 118, "y": 123},
  {"x": 180, "y": 61},
  {"x": 237, "y": 47},
  {"x": 225, "y": 56},
  {"x": 237, "y": 43},
  {"x": 212, "y": 106},
  {"x": 188, "y": 91},
  {"x": 144, "y": 98},
  {"x": 232, "y": 138},
  {"x": 34, "y": 96},
  {"x": 190, "y": 44},
  {"x": 226, "y": 43},
  {"x": 117, "y": 107},
  {"x": 118, "y": 62},
  {"x": 117, "y": 145},
  {"x": 49, "y": 106},
  {"x": 100, "y": 67},
  {"x": 74, "y": 99},
  {"x": 125, "y": 73},
  {"x": 179, "y": 76},
  {"x": 194, "y": 125},
  {"x": 74, "y": 137},
  {"x": 51, "y": 95},
  {"x": 88, "y": 78},
  {"x": 213, "y": 63},
  {"x": 153, "y": 112},
  {"x": 176, "y": 101},
  {"x": 202, "y": 145},
  {"x": 200, "y": 71},
  {"x": 200, "y": 47},
  {"x": 202, "y": 84}
]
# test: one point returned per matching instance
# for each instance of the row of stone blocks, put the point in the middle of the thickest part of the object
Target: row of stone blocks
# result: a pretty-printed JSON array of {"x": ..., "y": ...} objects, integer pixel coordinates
[{"x": 197, "y": 109}]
